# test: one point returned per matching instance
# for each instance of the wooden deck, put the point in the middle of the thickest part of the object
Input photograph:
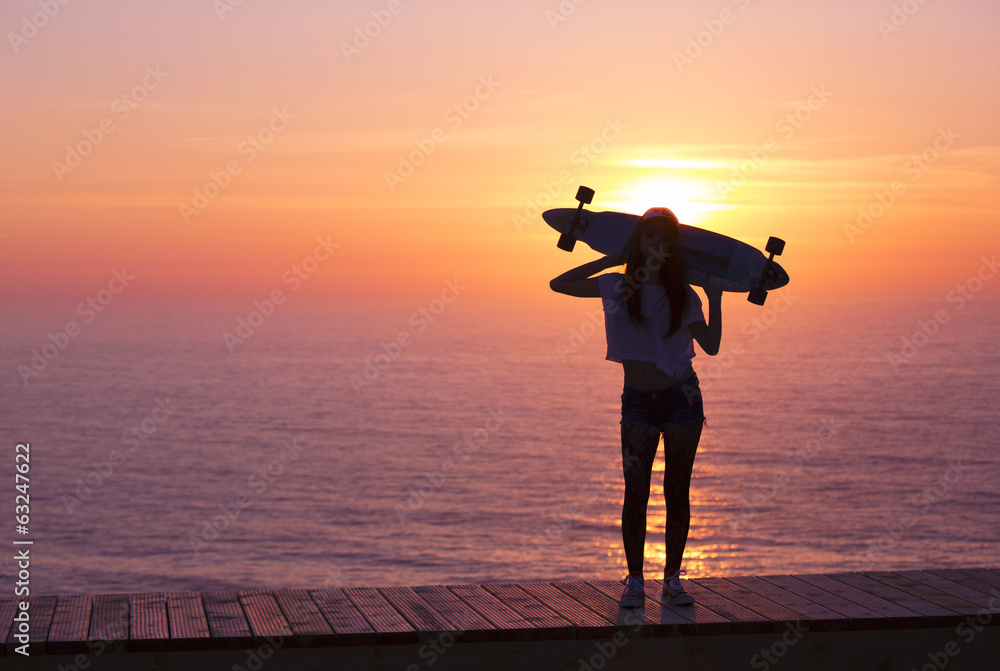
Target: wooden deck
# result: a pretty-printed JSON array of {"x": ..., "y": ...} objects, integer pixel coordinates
[{"x": 878, "y": 620}]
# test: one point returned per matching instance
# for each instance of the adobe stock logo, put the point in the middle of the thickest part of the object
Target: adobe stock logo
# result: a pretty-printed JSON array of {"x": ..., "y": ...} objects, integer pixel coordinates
[
  {"x": 249, "y": 148},
  {"x": 928, "y": 328},
  {"x": 363, "y": 35},
  {"x": 31, "y": 25},
  {"x": 454, "y": 117},
  {"x": 61, "y": 339},
  {"x": 899, "y": 17},
  {"x": 914, "y": 168},
  {"x": 223, "y": 7}
]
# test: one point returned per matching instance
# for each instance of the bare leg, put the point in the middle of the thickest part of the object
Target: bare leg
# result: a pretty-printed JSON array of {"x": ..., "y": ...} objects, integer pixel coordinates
[
  {"x": 639, "y": 443},
  {"x": 680, "y": 443}
]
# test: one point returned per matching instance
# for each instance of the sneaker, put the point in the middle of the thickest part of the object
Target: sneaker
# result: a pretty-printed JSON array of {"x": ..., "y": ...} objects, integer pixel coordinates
[
  {"x": 634, "y": 595},
  {"x": 674, "y": 589}
]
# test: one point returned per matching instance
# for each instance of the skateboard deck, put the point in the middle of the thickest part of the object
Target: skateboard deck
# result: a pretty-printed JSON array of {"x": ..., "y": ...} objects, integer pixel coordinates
[{"x": 735, "y": 265}]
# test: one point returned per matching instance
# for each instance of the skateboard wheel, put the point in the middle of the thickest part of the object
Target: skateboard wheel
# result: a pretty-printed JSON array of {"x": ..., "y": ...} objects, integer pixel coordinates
[
  {"x": 775, "y": 246},
  {"x": 757, "y": 295},
  {"x": 566, "y": 242},
  {"x": 585, "y": 195}
]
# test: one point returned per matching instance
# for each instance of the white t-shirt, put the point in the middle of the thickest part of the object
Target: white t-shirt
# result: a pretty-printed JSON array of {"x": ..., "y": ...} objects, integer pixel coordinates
[{"x": 626, "y": 341}]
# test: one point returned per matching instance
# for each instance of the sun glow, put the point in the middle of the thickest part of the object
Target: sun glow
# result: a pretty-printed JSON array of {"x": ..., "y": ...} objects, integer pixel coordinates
[{"x": 692, "y": 200}]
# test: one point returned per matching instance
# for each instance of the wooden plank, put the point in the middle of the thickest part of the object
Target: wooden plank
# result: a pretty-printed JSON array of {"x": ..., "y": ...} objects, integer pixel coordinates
[
  {"x": 334, "y": 617},
  {"x": 391, "y": 628},
  {"x": 896, "y": 616},
  {"x": 226, "y": 621},
  {"x": 309, "y": 628},
  {"x": 933, "y": 614},
  {"x": 70, "y": 624},
  {"x": 858, "y": 617},
  {"x": 706, "y": 620},
  {"x": 962, "y": 578},
  {"x": 655, "y": 618},
  {"x": 984, "y": 575},
  {"x": 109, "y": 620},
  {"x": 745, "y": 621},
  {"x": 40, "y": 610},
  {"x": 538, "y": 614},
  {"x": 265, "y": 618},
  {"x": 421, "y": 615},
  {"x": 510, "y": 624},
  {"x": 189, "y": 629},
  {"x": 658, "y": 617},
  {"x": 604, "y": 605},
  {"x": 8, "y": 609},
  {"x": 591, "y": 598},
  {"x": 739, "y": 593},
  {"x": 813, "y": 616},
  {"x": 347, "y": 622},
  {"x": 585, "y": 619},
  {"x": 943, "y": 592},
  {"x": 149, "y": 628},
  {"x": 474, "y": 627}
]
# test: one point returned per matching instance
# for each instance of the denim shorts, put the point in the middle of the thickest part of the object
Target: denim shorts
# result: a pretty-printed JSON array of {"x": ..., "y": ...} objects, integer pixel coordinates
[{"x": 677, "y": 404}]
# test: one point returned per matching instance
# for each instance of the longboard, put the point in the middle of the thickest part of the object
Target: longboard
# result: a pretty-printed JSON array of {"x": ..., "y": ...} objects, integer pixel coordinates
[{"x": 709, "y": 257}]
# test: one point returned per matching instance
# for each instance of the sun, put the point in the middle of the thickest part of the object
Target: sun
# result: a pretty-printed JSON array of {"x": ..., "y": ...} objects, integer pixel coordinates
[{"x": 694, "y": 201}]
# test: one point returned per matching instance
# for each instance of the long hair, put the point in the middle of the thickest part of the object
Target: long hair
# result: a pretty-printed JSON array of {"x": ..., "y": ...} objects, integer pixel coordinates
[{"x": 670, "y": 271}]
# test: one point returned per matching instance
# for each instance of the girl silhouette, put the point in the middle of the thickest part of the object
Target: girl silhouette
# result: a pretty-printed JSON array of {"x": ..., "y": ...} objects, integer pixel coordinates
[{"x": 651, "y": 318}]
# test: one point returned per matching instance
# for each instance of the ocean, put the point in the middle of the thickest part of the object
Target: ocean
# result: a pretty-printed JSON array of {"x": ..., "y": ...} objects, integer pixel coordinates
[{"x": 353, "y": 444}]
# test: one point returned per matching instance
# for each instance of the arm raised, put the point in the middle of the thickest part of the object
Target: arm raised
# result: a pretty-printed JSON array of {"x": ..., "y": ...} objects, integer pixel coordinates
[{"x": 578, "y": 281}]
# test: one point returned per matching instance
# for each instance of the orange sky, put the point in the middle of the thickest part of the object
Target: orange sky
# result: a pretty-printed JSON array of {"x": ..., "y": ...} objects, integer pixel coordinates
[{"x": 837, "y": 102}]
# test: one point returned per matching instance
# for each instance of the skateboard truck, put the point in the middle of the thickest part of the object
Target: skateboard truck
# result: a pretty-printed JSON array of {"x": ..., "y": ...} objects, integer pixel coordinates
[
  {"x": 774, "y": 247},
  {"x": 566, "y": 240}
]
